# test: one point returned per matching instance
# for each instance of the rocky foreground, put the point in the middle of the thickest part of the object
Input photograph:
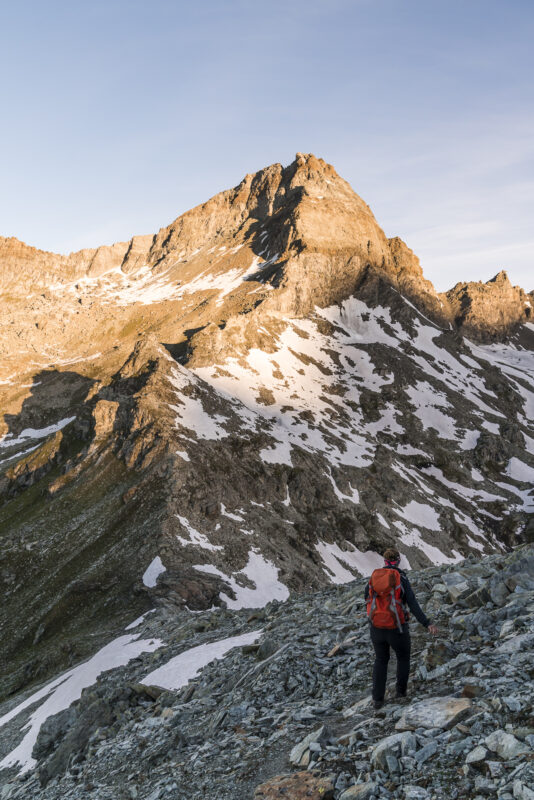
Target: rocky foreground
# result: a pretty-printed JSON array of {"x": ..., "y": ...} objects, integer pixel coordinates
[{"x": 288, "y": 713}]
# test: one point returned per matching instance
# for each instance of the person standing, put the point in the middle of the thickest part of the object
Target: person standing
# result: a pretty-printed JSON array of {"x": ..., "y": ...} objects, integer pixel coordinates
[{"x": 389, "y": 596}]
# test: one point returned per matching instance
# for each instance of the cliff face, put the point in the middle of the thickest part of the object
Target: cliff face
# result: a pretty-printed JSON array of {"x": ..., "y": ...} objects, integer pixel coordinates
[{"x": 255, "y": 400}]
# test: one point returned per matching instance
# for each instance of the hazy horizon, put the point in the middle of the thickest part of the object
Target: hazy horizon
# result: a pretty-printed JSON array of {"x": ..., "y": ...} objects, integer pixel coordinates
[{"x": 121, "y": 116}]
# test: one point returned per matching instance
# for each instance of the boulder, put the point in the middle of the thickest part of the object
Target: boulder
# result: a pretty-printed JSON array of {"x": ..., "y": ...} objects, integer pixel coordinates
[
  {"x": 394, "y": 745},
  {"x": 506, "y": 745},
  {"x": 438, "y": 712},
  {"x": 523, "y": 641},
  {"x": 498, "y": 591},
  {"x": 320, "y": 736},
  {"x": 476, "y": 755}
]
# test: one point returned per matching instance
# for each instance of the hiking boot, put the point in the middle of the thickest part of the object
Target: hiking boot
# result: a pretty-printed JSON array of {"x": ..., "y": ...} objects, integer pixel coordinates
[
  {"x": 401, "y": 696},
  {"x": 377, "y": 704}
]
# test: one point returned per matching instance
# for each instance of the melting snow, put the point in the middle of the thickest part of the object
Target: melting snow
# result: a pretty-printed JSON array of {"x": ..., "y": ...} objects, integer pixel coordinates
[
  {"x": 182, "y": 668},
  {"x": 34, "y": 433},
  {"x": 195, "y": 537},
  {"x": 354, "y": 497},
  {"x": 261, "y": 572},
  {"x": 413, "y": 538},
  {"x": 139, "y": 620},
  {"x": 59, "y": 694},
  {"x": 229, "y": 514},
  {"x": 519, "y": 471},
  {"x": 334, "y": 557},
  {"x": 191, "y": 412},
  {"x": 428, "y": 404},
  {"x": 420, "y": 514},
  {"x": 152, "y": 572}
]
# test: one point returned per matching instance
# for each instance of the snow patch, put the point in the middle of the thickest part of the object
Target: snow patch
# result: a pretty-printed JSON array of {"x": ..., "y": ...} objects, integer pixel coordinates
[
  {"x": 34, "y": 433},
  {"x": 420, "y": 514},
  {"x": 152, "y": 572},
  {"x": 195, "y": 537},
  {"x": 182, "y": 668},
  {"x": 258, "y": 570},
  {"x": 60, "y": 693},
  {"x": 334, "y": 557}
]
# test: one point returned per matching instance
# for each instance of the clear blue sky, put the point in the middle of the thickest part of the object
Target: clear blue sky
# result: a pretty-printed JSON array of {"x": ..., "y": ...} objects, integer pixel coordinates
[{"x": 117, "y": 116}]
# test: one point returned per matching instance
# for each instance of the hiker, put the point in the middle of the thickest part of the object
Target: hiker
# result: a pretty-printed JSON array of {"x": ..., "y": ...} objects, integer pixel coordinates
[{"x": 389, "y": 595}]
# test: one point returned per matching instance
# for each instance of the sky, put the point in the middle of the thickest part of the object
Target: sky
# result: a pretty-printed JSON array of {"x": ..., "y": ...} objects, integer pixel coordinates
[{"x": 118, "y": 116}]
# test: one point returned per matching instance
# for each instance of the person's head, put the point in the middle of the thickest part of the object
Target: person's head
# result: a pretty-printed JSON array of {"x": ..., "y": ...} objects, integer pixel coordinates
[{"x": 392, "y": 557}]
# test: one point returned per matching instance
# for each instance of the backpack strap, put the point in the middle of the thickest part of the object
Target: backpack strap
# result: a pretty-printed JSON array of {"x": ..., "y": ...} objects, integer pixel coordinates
[{"x": 394, "y": 610}]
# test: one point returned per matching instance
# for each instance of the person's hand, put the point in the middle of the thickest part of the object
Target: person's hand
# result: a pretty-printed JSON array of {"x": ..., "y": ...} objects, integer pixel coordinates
[{"x": 433, "y": 629}]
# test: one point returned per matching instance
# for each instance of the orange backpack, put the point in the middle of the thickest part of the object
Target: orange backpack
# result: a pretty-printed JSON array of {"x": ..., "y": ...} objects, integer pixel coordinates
[{"x": 384, "y": 606}]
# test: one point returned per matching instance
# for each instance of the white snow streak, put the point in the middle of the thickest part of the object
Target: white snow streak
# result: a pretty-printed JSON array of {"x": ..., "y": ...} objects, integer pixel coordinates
[
  {"x": 195, "y": 537},
  {"x": 34, "y": 433},
  {"x": 182, "y": 668},
  {"x": 152, "y": 572},
  {"x": 259, "y": 571},
  {"x": 63, "y": 691}
]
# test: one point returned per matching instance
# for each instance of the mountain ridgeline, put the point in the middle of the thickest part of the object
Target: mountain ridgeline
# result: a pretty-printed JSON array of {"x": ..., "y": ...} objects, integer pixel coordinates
[{"x": 253, "y": 401}]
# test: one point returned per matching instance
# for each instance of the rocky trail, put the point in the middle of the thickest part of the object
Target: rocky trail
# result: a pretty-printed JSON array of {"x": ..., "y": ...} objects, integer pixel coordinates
[{"x": 271, "y": 703}]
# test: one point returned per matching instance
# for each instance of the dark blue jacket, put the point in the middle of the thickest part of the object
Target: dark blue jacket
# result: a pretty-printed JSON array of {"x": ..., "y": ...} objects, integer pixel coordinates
[{"x": 408, "y": 597}]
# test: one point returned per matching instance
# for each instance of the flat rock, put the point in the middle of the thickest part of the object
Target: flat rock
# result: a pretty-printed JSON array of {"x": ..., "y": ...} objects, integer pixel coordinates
[
  {"x": 299, "y": 786},
  {"x": 360, "y": 791},
  {"x": 439, "y": 712},
  {"x": 412, "y": 792},
  {"x": 522, "y": 641}
]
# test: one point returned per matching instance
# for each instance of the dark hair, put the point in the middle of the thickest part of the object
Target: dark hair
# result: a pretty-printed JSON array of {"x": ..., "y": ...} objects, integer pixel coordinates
[{"x": 391, "y": 554}]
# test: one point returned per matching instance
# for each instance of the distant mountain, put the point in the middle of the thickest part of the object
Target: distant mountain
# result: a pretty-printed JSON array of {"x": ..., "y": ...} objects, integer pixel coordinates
[{"x": 255, "y": 400}]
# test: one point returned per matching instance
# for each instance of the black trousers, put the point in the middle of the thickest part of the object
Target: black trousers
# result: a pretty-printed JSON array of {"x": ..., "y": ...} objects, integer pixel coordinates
[{"x": 383, "y": 639}]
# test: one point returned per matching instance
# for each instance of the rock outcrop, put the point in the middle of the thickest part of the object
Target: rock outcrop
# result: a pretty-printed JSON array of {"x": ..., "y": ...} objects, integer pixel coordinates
[{"x": 489, "y": 311}]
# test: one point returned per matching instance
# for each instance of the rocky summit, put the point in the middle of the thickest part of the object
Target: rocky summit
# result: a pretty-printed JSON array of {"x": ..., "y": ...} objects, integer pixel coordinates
[{"x": 238, "y": 411}]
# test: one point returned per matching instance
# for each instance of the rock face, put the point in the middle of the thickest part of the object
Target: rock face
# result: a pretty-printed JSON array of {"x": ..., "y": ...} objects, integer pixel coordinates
[
  {"x": 490, "y": 311},
  {"x": 255, "y": 400}
]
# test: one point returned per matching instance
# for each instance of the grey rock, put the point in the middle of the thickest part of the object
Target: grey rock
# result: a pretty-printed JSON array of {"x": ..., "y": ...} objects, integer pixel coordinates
[
  {"x": 522, "y": 791},
  {"x": 426, "y": 752},
  {"x": 505, "y": 745},
  {"x": 398, "y": 743},
  {"x": 438, "y": 712},
  {"x": 476, "y": 755},
  {"x": 319, "y": 736},
  {"x": 412, "y": 792}
]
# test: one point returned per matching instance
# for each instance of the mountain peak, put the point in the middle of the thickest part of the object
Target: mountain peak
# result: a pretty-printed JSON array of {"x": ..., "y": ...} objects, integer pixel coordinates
[{"x": 500, "y": 278}]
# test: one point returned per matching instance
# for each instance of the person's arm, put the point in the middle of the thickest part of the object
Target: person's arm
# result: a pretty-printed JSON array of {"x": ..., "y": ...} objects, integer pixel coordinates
[
  {"x": 413, "y": 605},
  {"x": 366, "y": 592}
]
